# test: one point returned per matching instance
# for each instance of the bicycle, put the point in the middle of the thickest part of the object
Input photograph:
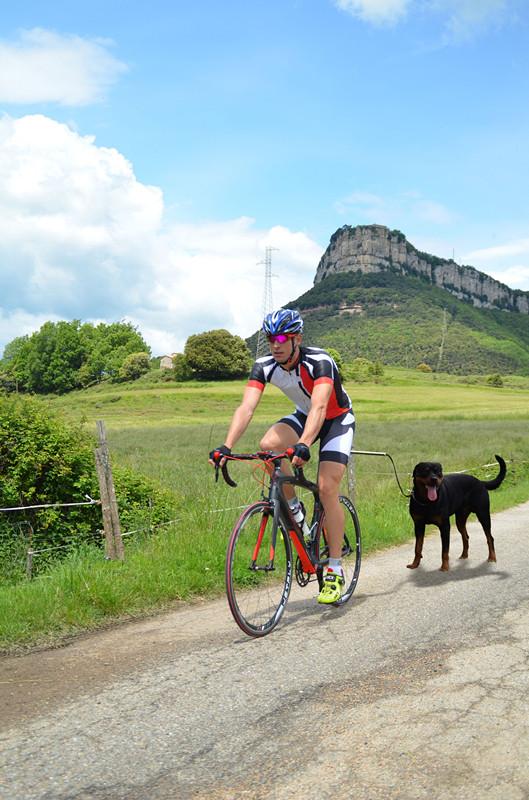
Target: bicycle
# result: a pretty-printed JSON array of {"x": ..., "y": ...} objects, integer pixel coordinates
[{"x": 259, "y": 559}]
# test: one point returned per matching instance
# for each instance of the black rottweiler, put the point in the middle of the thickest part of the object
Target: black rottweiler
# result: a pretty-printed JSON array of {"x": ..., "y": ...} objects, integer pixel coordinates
[{"x": 436, "y": 497}]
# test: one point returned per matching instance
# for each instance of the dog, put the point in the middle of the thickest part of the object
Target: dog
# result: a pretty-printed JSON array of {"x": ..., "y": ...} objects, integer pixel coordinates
[{"x": 435, "y": 498}]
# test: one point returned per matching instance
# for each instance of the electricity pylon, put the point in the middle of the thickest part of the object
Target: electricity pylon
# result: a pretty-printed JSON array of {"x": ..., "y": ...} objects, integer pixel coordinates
[{"x": 262, "y": 344}]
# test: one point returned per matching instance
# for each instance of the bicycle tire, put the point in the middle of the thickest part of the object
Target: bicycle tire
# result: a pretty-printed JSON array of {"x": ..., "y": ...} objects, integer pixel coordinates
[
  {"x": 351, "y": 549},
  {"x": 257, "y": 597}
]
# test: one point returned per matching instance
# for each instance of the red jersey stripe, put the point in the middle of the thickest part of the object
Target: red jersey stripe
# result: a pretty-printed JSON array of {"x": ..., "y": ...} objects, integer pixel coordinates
[{"x": 256, "y": 385}]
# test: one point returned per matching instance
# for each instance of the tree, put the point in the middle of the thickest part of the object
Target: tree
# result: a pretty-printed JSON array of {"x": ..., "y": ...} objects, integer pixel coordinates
[
  {"x": 217, "y": 355},
  {"x": 54, "y": 356},
  {"x": 134, "y": 366},
  {"x": 107, "y": 347}
]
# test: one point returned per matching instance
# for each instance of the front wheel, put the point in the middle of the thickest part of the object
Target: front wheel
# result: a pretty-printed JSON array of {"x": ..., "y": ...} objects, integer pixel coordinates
[
  {"x": 258, "y": 570},
  {"x": 351, "y": 549}
]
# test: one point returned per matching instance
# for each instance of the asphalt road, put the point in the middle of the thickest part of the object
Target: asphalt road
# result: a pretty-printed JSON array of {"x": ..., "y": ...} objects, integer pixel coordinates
[{"x": 419, "y": 688}]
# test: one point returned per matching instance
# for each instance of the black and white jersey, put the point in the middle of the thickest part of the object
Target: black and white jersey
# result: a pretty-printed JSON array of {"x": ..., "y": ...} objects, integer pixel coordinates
[{"x": 314, "y": 366}]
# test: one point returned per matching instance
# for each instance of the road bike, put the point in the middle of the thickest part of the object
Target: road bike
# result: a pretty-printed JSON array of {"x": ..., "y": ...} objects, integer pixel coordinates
[{"x": 259, "y": 560}]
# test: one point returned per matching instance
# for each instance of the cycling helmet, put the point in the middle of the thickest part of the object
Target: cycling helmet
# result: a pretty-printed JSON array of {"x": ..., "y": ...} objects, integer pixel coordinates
[{"x": 283, "y": 321}]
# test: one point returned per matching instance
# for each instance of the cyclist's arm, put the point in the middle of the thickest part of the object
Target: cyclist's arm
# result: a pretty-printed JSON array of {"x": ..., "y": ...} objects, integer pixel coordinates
[
  {"x": 243, "y": 415},
  {"x": 319, "y": 401}
]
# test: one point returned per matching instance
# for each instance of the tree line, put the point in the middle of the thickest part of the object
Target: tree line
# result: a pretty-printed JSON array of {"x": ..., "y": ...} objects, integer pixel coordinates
[{"x": 62, "y": 356}]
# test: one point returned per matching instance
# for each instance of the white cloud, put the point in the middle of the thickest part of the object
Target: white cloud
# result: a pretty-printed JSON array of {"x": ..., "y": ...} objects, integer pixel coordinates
[
  {"x": 81, "y": 237},
  {"x": 466, "y": 18},
  {"x": 516, "y": 276},
  {"x": 516, "y": 248},
  {"x": 462, "y": 18},
  {"x": 46, "y": 67},
  {"x": 378, "y": 12},
  {"x": 502, "y": 262}
]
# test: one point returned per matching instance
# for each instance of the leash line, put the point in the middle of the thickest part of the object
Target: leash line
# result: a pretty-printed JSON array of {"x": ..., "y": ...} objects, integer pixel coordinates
[{"x": 385, "y": 455}]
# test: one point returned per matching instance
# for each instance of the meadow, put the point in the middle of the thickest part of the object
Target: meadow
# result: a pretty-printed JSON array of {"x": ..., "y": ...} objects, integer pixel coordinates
[{"x": 165, "y": 431}]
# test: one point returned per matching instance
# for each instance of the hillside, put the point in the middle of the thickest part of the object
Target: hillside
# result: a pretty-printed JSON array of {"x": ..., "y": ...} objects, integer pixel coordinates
[{"x": 403, "y": 320}]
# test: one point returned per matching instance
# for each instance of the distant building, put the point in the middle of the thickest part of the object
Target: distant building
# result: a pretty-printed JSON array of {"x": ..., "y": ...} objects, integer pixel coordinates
[{"x": 166, "y": 362}]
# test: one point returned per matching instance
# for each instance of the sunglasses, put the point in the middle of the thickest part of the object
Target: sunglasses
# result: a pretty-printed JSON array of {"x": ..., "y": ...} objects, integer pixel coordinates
[{"x": 280, "y": 338}]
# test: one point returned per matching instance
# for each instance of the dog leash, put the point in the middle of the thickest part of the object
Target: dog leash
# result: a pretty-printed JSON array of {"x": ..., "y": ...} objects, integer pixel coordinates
[{"x": 386, "y": 455}]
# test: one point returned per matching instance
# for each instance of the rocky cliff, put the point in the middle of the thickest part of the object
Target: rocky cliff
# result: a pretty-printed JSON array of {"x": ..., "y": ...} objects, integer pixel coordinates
[{"x": 374, "y": 248}]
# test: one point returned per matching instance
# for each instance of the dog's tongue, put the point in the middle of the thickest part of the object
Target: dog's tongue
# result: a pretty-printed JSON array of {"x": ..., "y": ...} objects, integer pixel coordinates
[{"x": 432, "y": 493}]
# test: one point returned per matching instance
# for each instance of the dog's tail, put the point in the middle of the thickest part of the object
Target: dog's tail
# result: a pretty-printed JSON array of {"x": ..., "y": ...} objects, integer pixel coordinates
[{"x": 495, "y": 482}]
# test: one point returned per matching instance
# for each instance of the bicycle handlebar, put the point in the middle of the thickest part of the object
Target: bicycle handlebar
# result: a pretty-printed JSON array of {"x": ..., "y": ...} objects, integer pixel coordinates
[{"x": 262, "y": 455}]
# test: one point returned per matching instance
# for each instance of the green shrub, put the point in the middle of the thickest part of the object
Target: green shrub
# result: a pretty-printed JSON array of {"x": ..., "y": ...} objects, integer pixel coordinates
[
  {"x": 43, "y": 460},
  {"x": 362, "y": 370},
  {"x": 182, "y": 370},
  {"x": 495, "y": 380},
  {"x": 338, "y": 360},
  {"x": 134, "y": 366}
]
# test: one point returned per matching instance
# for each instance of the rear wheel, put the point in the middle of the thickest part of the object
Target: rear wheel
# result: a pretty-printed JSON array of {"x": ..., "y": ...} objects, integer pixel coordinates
[
  {"x": 351, "y": 549},
  {"x": 258, "y": 579}
]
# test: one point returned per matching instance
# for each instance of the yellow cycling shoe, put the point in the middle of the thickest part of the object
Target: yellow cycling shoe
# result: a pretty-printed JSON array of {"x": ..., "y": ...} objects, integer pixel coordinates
[{"x": 332, "y": 588}]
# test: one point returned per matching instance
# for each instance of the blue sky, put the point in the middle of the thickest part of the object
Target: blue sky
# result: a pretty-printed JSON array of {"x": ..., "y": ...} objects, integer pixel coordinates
[{"x": 150, "y": 153}]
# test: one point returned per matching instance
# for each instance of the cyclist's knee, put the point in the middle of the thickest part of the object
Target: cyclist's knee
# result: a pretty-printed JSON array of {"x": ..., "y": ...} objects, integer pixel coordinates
[
  {"x": 277, "y": 438},
  {"x": 329, "y": 484},
  {"x": 328, "y": 492},
  {"x": 268, "y": 442}
]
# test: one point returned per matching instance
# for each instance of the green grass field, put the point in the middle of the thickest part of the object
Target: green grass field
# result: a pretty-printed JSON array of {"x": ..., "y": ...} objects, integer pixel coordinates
[{"x": 166, "y": 431}]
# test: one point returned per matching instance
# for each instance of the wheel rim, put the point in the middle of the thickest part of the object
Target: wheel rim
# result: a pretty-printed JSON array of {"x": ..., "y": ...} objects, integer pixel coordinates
[{"x": 257, "y": 597}]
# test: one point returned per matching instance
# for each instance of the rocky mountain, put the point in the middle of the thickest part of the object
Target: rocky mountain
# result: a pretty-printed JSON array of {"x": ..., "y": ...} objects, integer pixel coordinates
[{"x": 375, "y": 248}]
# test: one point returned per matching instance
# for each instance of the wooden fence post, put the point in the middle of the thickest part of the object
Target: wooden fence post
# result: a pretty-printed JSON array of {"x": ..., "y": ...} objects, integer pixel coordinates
[{"x": 109, "y": 506}]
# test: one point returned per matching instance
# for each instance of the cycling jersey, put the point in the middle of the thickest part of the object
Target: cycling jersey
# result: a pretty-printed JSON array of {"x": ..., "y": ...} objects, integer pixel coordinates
[{"x": 314, "y": 366}]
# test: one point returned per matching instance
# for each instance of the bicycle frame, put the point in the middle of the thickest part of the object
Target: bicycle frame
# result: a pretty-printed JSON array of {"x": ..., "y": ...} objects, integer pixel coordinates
[{"x": 282, "y": 518}]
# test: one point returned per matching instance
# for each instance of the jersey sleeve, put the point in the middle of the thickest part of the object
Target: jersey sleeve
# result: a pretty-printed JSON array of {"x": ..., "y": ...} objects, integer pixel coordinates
[
  {"x": 257, "y": 377},
  {"x": 324, "y": 370}
]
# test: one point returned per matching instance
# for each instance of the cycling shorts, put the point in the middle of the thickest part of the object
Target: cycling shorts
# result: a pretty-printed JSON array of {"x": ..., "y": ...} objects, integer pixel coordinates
[{"x": 335, "y": 436}]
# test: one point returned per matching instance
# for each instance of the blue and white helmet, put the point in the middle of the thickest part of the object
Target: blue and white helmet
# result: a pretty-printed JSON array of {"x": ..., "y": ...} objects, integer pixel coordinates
[{"x": 283, "y": 321}]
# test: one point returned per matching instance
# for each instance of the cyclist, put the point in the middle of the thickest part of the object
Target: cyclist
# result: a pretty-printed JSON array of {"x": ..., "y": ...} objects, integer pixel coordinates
[{"x": 310, "y": 378}]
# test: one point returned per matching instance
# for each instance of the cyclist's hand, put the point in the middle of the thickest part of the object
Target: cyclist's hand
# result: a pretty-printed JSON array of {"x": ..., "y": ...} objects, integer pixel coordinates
[
  {"x": 301, "y": 454},
  {"x": 217, "y": 457}
]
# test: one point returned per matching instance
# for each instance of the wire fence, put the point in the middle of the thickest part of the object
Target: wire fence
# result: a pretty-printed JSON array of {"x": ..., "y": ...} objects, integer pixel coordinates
[{"x": 25, "y": 528}]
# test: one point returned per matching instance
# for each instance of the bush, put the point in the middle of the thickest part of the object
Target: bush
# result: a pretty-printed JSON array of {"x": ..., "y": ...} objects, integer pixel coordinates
[
  {"x": 134, "y": 366},
  {"x": 424, "y": 367},
  {"x": 44, "y": 460},
  {"x": 362, "y": 370},
  {"x": 495, "y": 380},
  {"x": 182, "y": 369}
]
